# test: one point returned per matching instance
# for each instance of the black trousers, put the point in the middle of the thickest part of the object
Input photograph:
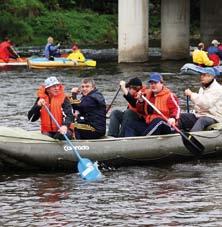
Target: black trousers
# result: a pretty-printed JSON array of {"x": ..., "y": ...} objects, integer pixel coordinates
[{"x": 189, "y": 122}]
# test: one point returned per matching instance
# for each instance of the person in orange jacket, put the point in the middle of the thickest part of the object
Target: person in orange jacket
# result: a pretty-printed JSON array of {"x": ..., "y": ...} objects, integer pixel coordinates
[
  {"x": 51, "y": 93},
  {"x": 164, "y": 100},
  {"x": 7, "y": 51}
]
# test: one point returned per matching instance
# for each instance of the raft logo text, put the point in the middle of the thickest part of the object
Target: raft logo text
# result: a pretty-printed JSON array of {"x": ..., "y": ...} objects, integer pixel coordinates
[{"x": 80, "y": 148}]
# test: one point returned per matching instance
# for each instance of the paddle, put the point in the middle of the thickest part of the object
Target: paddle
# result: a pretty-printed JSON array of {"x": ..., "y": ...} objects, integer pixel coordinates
[
  {"x": 188, "y": 106},
  {"x": 90, "y": 62},
  {"x": 114, "y": 98},
  {"x": 15, "y": 53},
  {"x": 189, "y": 141},
  {"x": 88, "y": 170}
]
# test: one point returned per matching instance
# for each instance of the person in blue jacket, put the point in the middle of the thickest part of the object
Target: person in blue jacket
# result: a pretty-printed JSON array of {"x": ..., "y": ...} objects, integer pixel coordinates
[
  {"x": 51, "y": 50},
  {"x": 89, "y": 111}
]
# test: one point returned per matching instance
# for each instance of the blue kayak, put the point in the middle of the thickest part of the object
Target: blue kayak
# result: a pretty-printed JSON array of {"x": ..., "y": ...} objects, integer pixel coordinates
[{"x": 192, "y": 69}]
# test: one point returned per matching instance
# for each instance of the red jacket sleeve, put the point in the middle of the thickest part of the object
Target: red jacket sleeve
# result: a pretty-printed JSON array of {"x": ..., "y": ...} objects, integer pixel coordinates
[{"x": 173, "y": 104}]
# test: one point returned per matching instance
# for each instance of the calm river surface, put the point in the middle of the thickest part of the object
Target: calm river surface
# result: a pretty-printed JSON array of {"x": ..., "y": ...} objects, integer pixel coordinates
[{"x": 183, "y": 194}]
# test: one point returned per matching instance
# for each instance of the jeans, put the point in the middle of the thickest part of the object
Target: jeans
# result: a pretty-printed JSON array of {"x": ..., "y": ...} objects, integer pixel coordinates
[
  {"x": 157, "y": 127},
  {"x": 189, "y": 122},
  {"x": 118, "y": 121}
]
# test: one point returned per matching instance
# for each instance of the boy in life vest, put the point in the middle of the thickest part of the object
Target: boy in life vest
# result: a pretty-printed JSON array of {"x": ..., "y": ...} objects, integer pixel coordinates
[{"x": 51, "y": 93}]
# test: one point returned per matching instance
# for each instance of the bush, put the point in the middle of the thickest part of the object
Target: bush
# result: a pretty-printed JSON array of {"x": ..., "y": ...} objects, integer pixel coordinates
[
  {"x": 84, "y": 28},
  {"x": 15, "y": 29},
  {"x": 24, "y": 8}
]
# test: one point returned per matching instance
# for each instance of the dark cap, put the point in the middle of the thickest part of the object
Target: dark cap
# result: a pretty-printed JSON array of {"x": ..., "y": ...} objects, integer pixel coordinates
[
  {"x": 155, "y": 77},
  {"x": 134, "y": 82}
]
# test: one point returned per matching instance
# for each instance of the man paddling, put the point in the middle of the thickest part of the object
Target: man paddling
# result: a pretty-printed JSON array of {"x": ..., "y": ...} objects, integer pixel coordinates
[
  {"x": 119, "y": 118},
  {"x": 207, "y": 103},
  {"x": 51, "y": 93},
  {"x": 7, "y": 51},
  {"x": 164, "y": 100}
]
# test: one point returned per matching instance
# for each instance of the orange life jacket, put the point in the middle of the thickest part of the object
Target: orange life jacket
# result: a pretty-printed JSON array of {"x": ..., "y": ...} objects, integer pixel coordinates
[
  {"x": 161, "y": 104},
  {"x": 55, "y": 105}
]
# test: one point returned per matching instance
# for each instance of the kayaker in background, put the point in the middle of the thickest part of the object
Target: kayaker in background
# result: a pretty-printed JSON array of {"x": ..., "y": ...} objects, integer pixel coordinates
[
  {"x": 200, "y": 56},
  {"x": 220, "y": 51},
  {"x": 164, "y": 100},
  {"x": 89, "y": 111},
  {"x": 51, "y": 93},
  {"x": 7, "y": 51},
  {"x": 51, "y": 51},
  {"x": 76, "y": 54},
  {"x": 213, "y": 52},
  {"x": 119, "y": 118},
  {"x": 207, "y": 103}
]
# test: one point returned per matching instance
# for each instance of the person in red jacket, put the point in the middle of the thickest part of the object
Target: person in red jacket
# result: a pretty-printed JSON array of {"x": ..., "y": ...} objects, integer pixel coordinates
[
  {"x": 51, "y": 93},
  {"x": 7, "y": 51},
  {"x": 164, "y": 100}
]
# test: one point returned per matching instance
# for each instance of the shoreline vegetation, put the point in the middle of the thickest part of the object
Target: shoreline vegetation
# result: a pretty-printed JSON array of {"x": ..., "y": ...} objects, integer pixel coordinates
[{"x": 86, "y": 22}]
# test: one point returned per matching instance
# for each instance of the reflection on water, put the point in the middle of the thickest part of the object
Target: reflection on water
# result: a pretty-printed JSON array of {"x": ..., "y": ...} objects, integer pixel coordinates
[
  {"x": 180, "y": 195},
  {"x": 186, "y": 194}
]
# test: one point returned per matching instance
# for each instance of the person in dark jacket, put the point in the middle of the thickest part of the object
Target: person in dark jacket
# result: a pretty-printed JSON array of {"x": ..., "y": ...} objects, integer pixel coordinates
[
  {"x": 89, "y": 111},
  {"x": 51, "y": 93},
  {"x": 119, "y": 118}
]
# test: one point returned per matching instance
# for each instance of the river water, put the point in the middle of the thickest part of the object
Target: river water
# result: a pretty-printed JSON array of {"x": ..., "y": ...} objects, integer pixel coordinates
[{"x": 183, "y": 194}]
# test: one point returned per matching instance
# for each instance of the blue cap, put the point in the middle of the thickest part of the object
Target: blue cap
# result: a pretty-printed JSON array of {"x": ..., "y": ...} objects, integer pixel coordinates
[
  {"x": 155, "y": 77},
  {"x": 210, "y": 70}
]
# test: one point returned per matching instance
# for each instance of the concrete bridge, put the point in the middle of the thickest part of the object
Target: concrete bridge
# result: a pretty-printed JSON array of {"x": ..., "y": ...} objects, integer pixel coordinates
[{"x": 133, "y": 29}]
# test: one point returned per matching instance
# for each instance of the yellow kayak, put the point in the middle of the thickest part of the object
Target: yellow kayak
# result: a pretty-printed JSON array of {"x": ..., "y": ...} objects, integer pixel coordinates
[{"x": 44, "y": 63}]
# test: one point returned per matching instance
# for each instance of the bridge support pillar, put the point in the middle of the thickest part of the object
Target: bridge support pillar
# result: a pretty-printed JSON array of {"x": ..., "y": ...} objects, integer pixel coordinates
[
  {"x": 175, "y": 25},
  {"x": 133, "y": 30},
  {"x": 210, "y": 21}
]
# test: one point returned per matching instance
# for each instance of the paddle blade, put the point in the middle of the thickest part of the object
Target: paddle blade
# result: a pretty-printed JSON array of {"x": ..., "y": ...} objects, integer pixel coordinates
[
  {"x": 88, "y": 170},
  {"x": 91, "y": 63},
  {"x": 192, "y": 144}
]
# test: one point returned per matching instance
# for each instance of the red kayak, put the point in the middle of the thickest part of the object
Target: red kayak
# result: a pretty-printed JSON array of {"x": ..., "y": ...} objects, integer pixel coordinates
[{"x": 14, "y": 62}]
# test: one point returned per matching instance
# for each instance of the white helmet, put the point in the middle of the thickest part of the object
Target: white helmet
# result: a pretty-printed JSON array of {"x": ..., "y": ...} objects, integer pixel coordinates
[{"x": 51, "y": 81}]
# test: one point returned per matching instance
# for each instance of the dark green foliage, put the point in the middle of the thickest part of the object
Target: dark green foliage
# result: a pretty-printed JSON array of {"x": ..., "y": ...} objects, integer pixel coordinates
[
  {"x": 67, "y": 26},
  {"x": 30, "y": 22},
  {"x": 15, "y": 29}
]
